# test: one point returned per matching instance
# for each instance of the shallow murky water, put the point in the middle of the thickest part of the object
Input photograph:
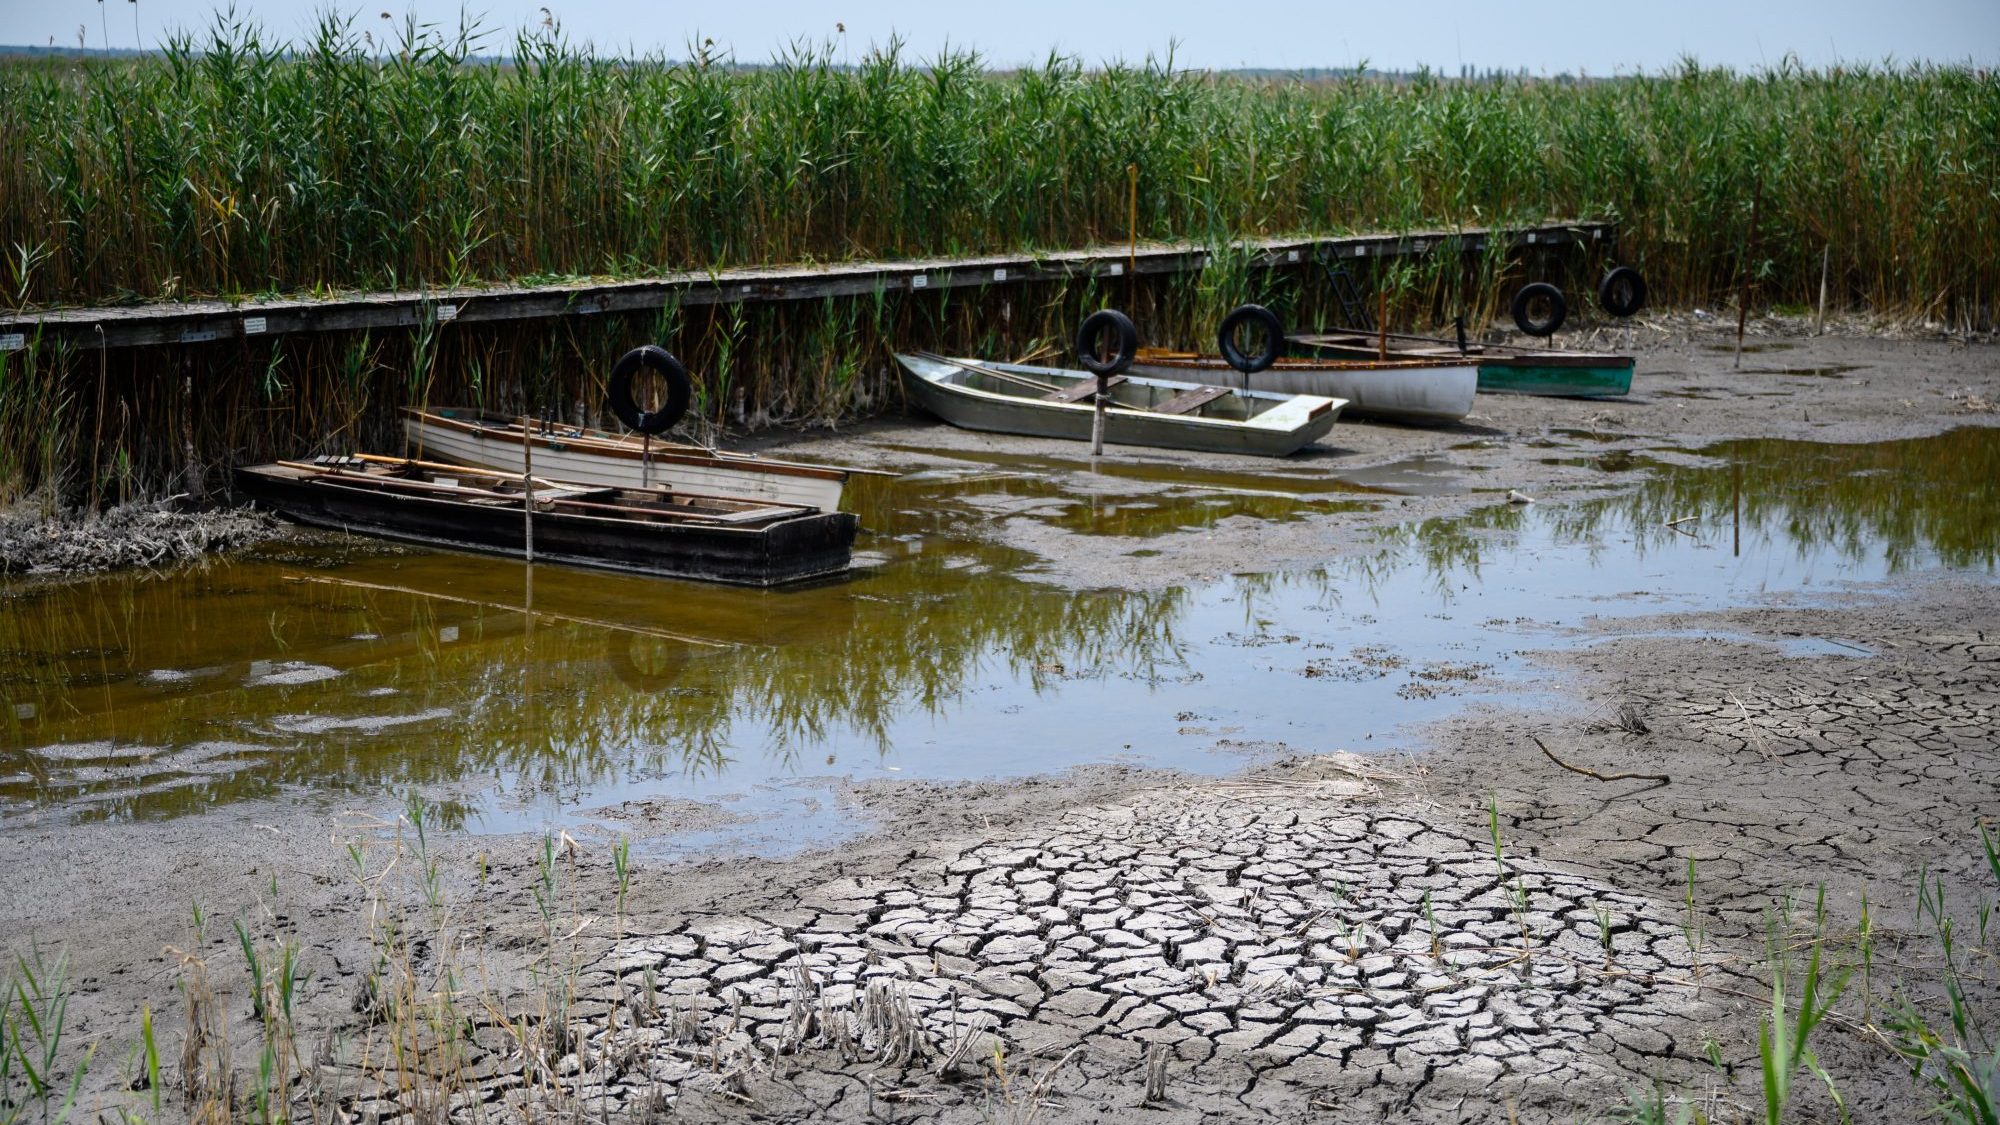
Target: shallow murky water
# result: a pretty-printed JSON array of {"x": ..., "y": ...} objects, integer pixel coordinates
[{"x": 342, "y": 676}]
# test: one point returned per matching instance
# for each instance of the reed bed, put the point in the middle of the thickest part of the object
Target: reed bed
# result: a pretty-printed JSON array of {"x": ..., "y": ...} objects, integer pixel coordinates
[{"x": 234, "y": 163}]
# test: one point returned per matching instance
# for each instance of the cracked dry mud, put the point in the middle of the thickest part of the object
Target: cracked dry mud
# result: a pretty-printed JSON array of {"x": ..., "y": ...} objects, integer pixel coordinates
[
  {"x": 1265, "y": 943},
  {"x": 1119, "y": 945},
  {"x": 1269, "y": 938},
  {"x": 1339, "y": 938}
]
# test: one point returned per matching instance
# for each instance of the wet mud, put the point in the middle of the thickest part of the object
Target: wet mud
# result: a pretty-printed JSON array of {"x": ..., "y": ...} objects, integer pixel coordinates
[{"x": 1377, "y": 911}]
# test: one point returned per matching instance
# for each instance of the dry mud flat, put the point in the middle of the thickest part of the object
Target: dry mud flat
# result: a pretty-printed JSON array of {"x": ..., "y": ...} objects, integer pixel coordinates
[
  {"x": 1341, "y": 938},
  {"x": 1333, "y": 938}
]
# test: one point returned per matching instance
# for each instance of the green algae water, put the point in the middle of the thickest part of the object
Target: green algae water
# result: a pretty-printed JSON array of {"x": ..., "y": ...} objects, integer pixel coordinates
[{"x": 334, "y": 674}]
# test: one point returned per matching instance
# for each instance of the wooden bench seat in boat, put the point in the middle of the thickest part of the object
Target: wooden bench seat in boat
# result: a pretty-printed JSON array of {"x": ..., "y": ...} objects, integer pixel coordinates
[
  {"x": 1081, "y": 389},
  {"x": 1190, "y": 400}
]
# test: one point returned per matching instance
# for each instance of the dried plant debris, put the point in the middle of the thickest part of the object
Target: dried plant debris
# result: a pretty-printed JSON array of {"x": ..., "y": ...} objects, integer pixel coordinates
[{"x": 134, "y": 535}]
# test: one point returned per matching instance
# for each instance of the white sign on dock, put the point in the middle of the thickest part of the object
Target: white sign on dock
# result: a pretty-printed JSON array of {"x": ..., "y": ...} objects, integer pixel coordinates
[
  {"x": 446, "y": 312},
  {"x": 999, "y": 275},
  {"x": 919, "y": 282},
  {"x": 253, "y": 326},
  {"x": 13, "y": 341}
]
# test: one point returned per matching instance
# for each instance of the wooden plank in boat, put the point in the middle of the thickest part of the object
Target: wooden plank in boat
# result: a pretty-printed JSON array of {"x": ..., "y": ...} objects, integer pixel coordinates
[
  {"x": 1190, "y": 400},
  {"x": 1081, "y": 389},
  {"x": 758, "y": 514}
]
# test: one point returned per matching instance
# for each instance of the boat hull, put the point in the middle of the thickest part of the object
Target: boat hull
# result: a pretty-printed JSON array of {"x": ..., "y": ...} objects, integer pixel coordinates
[
  {"x": 1420, "y": 393},
  {"x": 468, "y": 438},
  {"x": 1282, "y": 430},
  {"x": 811, "y": 545},
  {"x": 1519, "y": 371},
  {"x": 1528, "y": 375}
]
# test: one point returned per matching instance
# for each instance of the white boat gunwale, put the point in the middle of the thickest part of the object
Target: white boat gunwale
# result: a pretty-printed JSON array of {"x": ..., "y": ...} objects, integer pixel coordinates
[
  {"x": 496, "y": 442},
  {"x": 1195, "y": 361},
  {"x": 603, "y": 444},
  {"x": 1314, "y": 405},
  {"x": 1409, "y": 390}
]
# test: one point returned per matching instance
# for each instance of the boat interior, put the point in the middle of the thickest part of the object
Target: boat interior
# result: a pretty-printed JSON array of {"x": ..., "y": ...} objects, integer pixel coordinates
[
  {"x": 1399, "y": 347},
  {"x": 1404, "y": 346},
  {"x": 398, "y": 476},
  {"x": 1398, "y": 360},
  {"x": 1124, "y": 392},
  {"x": 496, "y": 422}
]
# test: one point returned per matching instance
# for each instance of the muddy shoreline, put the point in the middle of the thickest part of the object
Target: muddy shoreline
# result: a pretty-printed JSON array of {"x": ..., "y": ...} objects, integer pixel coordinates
[{"x": 1112, "y": 925}]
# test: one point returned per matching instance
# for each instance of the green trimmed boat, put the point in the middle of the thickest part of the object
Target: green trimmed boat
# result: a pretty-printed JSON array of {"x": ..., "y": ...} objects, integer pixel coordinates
[{"x": 1503, "y": 368}]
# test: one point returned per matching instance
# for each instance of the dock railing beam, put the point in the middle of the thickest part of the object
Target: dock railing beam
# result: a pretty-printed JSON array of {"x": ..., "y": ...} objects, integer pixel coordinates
[{"x": 200, "y": 321}]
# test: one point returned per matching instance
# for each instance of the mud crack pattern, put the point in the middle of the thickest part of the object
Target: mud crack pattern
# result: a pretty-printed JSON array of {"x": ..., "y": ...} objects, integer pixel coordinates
[{"x": 1247, "y": 937}]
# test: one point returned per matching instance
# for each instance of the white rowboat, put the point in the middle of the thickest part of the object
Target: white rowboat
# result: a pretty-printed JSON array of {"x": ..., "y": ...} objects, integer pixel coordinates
[
  {"x": 1428, "y": 391},
  {"x": 494, "y": 441},
  {"x": 1052, "y": 402}
]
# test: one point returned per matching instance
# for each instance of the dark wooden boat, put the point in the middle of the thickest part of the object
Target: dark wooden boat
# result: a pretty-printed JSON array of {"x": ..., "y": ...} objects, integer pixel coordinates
[{"x": 642, "y": 530}]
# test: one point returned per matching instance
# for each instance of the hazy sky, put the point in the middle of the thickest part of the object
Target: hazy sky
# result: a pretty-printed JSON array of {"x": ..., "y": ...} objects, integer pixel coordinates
[{"x": 1599, "y": 37}]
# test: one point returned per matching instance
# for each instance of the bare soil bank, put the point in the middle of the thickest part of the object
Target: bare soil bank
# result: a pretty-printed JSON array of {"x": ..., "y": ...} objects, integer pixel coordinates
[{"x": 1334, "y": 937}]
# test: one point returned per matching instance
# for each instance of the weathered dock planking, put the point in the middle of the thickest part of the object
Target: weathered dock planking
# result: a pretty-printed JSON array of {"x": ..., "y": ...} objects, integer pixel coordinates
[{"x": 198, "y": 321}]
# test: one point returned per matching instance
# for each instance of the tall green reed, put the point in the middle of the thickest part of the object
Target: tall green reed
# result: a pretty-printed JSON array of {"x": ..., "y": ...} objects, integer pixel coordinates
[{"x": 237, "y": 163}]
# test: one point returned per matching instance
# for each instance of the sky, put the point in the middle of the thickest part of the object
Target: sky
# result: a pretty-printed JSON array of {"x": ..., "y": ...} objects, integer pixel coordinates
[{"x": 1599, "y": 37}]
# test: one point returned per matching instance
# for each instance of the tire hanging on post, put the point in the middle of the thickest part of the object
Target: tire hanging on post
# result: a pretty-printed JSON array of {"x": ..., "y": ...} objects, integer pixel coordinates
[
  {"x": 1265, "y": 321},
  {"x": 618, "y": 389},
  {"x": 1622, "y": 292},
  {"x": 1547, "y": 323},
  {"x": 1089, "y": 353}
]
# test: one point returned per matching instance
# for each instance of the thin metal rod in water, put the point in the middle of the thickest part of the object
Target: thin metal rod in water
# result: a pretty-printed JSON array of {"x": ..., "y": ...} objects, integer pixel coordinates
[
  {"x": 1749, "y": 267},
  {"x": 550, "y": 615},
  {"x": 1825, "y": 260},
  {"x": 527, "y": 490},
  {"x": 1132, "y": 242},
  {"x": 1736, "y": 507}
]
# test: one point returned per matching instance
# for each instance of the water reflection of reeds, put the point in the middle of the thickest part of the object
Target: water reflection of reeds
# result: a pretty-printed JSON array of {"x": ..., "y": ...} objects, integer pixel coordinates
[
  {"x": 538, "y": 702},
  {"x": 699, "y": 679},
  {"x": 1918, "y": 502}
]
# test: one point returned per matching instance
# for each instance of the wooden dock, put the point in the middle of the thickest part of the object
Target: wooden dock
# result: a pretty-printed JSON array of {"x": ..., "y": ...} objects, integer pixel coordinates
[{"x": 198, "y": 321}]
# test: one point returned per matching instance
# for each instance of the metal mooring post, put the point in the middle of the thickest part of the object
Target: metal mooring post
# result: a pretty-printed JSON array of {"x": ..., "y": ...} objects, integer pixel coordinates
[
  {"x": 528, "y": 488},
  {"x": 1097, "y": 419}
]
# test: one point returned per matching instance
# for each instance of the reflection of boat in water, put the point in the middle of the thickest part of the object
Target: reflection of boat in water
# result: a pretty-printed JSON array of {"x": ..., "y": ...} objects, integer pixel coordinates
[
  {"x": 1429, "y": 390},
  {"x": 645, "y": 663},
  {"x": 645, "y": 531},
  {"x": 495, "y": 441},
  {"x": 1012, "y": 398}
]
